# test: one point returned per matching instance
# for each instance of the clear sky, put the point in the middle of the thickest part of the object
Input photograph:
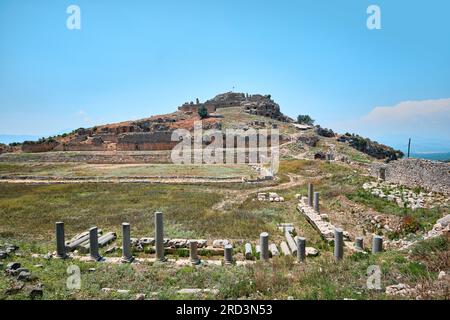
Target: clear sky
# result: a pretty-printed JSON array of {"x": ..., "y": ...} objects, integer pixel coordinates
[{"x": 133, "y": 59}]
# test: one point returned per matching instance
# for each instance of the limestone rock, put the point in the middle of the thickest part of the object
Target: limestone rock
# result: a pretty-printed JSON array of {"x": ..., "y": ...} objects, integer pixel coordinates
[
  {"x": 220, "y": 243},
  {"x": 311, "y": 252}
]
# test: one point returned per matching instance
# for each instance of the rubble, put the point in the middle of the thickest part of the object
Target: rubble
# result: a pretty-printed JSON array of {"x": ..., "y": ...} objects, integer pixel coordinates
[{"x": 405, "y": 197}]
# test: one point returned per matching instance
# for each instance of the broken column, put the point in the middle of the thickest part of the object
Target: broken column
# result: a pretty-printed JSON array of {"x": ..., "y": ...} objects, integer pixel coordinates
[
  {"x": 377, "y": 244},
  {"x": 248, "y": 251},
  {"x": 193, "y": 254},
  {"x": 291, "y": 242},
  {"x": 316, "y": 202},
  {"x": 310, "y": 194},
  {"x": 359, "y": 243},
  {"x": 285, "y": 248},
  {"x": 159, "y": 236},
  {"x": 264, "y": 243},
  {"x": 93, "y": 244},
  {"x": 274, "y": 250},
  {"x": 301, "y": 249},
  {"x": 228, "y": 254},
  {"x": 60, "y": 241},
  {"x": 126, "y": 243},
  {"x": 338, "y": 244}
]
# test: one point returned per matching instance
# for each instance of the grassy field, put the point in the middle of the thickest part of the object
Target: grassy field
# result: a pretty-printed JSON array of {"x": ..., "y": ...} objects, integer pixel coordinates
[
  {"x": 28, "y": 214},
  {"x": 123, "y": 170}
]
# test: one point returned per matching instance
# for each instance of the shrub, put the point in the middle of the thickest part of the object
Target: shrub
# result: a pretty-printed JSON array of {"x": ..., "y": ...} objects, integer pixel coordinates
[
  {"x": 305, "y": 119},
  {"x": 203, "y": 112}
]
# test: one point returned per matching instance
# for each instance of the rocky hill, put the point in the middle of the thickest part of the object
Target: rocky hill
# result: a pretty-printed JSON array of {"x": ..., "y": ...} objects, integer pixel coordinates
[{"x": 228, "y": 110}]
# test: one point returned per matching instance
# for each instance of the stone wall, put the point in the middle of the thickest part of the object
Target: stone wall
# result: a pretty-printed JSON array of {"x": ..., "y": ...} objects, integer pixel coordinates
[
  {"x": 38, "y": 147},
  {"x": 90, "y": 157},
  {"x": 146, "y": 141},
  {"x": 430, "y": 175},
  {"x": 195, "y": 107}
]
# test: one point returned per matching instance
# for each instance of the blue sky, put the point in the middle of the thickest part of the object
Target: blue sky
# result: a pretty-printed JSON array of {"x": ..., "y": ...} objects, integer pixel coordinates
[{"x": 133, "y": 59}]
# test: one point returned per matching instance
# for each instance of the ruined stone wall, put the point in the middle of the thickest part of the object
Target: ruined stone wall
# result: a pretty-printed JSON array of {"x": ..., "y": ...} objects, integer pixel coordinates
[
  {"x": 195, "y": 107},
  {"x": 430, "y": 175},
  {"x": 91, "y": 157},
  {"x": 38, "y": 147},
  {"x": 81, "y": 147},
  {"x": 154, "y": 146}
]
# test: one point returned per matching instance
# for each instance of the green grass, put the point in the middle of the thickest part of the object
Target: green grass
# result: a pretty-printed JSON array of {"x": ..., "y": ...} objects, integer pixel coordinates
[
  {"x": 423, "y": 219},
  {"x": 318, "y": 278},
  {"x": 135, "y": 170}
]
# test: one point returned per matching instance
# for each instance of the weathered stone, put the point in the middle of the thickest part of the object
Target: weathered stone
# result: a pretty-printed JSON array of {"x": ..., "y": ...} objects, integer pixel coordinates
[
  {"x": 159, "y": 236},
  {"x": 377, "y": 244},
  {"x": 147, "y": 241},
  {"x": 291, "y": 242},
  {"x": 127, "y": 256},
  {"x": 264, "y": 243},
  {"x": 220, "y": 243},
  {"x": 338, "y": 244},
  {"x": 228, "y": 254},
  {"x": 248, "y": 251},
  {"x": 24, "y": 276},
  {"x": 274, "y": 250},
  {"x": 13, "y": 266},
  {"x": 359, "y": 243},
  {"x": 36, "y": 293},
  {"x": 310, "y": 194},
  {"x": 285, "y": 248},
  {"x": 140, "y": 296},
  {"x": 193, "y": 255},
  {"x": 79, "y": 239},
  {"x": 93, "y": 244},
  {"x": 178, "y": 243},
  {"x": 316, "y": 202},
  {"x": 60, "y": 242},
  {"x": 301, "y": 248},
  {"x": 431, "y": 175},
  {"x": 311, "y": 252},
  {"x": 325, "y": 228}
]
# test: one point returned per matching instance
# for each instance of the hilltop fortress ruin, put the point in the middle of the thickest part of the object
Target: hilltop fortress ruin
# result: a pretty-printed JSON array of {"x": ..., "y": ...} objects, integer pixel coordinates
[{"x": 154, "y": 133}]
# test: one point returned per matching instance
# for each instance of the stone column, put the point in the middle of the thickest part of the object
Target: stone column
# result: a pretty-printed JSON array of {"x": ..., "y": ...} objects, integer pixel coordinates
[
  {"x": 316, "y": 201},
  {"x": 264, "y": 243},
  {"x": 228, "y": 254},
  {"x": 338, "y": 244},
  {"x": 377, "y": 244},
  {"x": 359, "y": 243},
  {"x": 126, "y": 243},
  {"x": 248, "y": 251},
  {"x": 301, "y": 249},
  {"x": 93, "y": 244},
  {"x": 310, "y": 194},
  {"x": 382, "y": 174},
  {"x": 60, "y": 241},
  {"x": 159, "y": 237},
  {"x": 193, "y": 255}
]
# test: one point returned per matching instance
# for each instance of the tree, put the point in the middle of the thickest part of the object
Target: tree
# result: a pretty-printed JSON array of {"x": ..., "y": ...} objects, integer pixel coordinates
[
  {"x": 203, "y": 112},
  {"x": 305, "y": 119}
]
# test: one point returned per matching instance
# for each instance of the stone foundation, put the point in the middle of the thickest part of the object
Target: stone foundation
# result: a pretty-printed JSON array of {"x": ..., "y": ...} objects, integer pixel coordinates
[{"x": 430, "y": 175}]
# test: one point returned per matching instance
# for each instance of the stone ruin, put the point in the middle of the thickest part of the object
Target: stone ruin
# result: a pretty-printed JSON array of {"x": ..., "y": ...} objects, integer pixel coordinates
[
  {"x": 430, "y": 175},
  {"x": 252, "y": 104}
]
